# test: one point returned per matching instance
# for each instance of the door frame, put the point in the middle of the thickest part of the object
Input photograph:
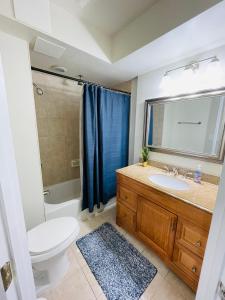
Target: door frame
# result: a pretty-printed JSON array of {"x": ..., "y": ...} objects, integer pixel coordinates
[
  {"x": 11, "y": 205},
  {"x": 213, "y": 262}
]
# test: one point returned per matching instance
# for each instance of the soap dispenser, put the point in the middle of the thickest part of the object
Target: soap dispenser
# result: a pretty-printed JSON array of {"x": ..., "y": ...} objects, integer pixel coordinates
[{"x": 198, "y": 174}]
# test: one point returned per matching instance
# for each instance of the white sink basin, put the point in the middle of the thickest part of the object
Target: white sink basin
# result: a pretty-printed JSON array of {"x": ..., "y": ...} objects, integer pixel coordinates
[{"x": 170, "y": 182}]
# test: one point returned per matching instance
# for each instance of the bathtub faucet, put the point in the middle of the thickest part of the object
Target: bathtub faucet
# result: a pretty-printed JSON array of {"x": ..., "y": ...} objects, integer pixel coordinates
[{"x": 46, "y": 192}]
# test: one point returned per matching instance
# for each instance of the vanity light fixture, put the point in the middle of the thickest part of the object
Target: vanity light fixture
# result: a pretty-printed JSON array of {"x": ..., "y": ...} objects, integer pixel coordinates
[
  {"x": 193, "y": 78},
  {"x": 166, "y": 81},
  {"x": 194, "y": 65}
]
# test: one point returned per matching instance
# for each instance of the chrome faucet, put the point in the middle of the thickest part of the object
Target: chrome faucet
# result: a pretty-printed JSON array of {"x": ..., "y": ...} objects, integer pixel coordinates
[
  {"x": 175, "y": 172},
  {"x": 166, "y": 168},
  {"x": 46, "y": 192},
  {"x": 188, "y": 174}
]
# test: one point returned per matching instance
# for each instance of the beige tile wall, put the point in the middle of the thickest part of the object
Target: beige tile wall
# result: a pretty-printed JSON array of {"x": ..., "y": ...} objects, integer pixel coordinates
[
  {"x": 58, "y": 114},
  {"x": 124, "y": 86}
]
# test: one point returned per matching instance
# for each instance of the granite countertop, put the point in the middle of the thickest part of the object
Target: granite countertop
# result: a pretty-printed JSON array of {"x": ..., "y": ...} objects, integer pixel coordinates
[{"x": 201, "y": 195}]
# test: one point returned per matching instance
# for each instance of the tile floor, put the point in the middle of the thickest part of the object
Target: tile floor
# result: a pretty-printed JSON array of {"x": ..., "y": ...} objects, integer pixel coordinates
[{"x": 80, "y": 284}]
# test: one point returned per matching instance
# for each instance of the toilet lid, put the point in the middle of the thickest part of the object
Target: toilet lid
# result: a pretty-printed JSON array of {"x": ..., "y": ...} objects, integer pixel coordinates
[{"x": 51, "y": 234}]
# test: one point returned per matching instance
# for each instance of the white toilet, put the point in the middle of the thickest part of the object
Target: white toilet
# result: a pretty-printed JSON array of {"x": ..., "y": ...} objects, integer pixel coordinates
[{"x": 48, "y": 243}]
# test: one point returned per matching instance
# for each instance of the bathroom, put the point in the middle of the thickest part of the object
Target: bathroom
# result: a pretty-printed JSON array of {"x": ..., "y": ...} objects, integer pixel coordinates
[{"x": 112, "y": 159}]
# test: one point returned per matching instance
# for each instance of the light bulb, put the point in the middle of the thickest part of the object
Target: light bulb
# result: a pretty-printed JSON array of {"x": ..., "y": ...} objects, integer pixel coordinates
[
  {"x": 214, "y": 76},
  {"x": 165, "y": 83},
  {"x": 185, "y": 81}
]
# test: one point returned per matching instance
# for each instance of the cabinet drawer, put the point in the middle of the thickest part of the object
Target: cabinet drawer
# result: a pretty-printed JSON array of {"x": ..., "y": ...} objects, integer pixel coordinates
[
  {"x": 128, "y": 198},
  {"x": 187, "y": 261},
  {"x": 192, "y": 237},
  {"x": 125, "y": 217}
]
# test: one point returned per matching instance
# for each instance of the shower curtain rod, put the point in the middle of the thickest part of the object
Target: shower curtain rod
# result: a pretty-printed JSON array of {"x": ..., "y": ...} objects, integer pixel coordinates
[{"x": 76, "y": 79}]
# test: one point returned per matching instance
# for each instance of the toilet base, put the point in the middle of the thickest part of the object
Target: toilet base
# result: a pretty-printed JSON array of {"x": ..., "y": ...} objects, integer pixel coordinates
[{"x": 48, "y": 273}]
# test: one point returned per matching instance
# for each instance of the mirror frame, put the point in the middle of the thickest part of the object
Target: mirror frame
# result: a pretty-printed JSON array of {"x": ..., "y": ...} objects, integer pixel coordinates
[{"x": 212, "y": 158}]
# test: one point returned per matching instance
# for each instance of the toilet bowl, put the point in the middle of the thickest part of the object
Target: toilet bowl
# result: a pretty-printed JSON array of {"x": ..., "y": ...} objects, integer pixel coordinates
[{"x": 47, "y": 244}]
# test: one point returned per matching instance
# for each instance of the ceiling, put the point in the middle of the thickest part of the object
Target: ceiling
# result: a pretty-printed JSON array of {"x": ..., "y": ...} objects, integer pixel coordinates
[
  {"x": 202, "y": 33},
  {"x": 199, "y": 34},
  {"x": 109, "y": 16}
]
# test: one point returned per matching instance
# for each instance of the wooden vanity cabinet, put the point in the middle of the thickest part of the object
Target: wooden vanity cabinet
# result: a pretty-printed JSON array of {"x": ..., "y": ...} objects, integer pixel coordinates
[{"x": 177, "y": 231}]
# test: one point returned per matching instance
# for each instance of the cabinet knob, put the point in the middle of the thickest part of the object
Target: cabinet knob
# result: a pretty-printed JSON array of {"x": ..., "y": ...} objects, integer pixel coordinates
[
  {"x": 198, "y": 244},
  {"x": 194, "y": 269}
]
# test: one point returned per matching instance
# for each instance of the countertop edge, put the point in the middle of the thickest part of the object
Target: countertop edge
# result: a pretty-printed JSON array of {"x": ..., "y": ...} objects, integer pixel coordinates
[{"x": 166, "y": 192}]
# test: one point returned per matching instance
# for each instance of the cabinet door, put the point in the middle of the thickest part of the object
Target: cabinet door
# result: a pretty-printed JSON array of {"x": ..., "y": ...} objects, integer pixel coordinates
[
  {"x": 156, "y": 226},
  {"x": 125, "y": 217}
]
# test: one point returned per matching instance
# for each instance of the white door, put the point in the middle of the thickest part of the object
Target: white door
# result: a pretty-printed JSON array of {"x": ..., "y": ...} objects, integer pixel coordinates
[
  {"x": 13, "y": 237},
  {"x": 220, "y": 293},
  {"x": 11, "y": 292},
  {"x": 213, "y": 269}
]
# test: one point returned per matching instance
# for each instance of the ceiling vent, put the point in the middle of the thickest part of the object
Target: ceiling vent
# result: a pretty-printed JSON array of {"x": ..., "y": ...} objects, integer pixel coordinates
[{"x": 48, "y": 48}]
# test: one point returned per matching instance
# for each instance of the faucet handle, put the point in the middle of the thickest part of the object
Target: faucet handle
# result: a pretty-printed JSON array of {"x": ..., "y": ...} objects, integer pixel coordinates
[
  {"x": 46, "y": 192},
  {"x": 166, "y": 168},
  {"x": 188, "y": 175},
  {"x": 175, "y": 171}
]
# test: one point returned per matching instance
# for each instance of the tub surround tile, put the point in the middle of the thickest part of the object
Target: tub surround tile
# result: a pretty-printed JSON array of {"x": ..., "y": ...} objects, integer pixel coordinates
[
  {"x": 58, "y": 121},
  {"x": 73, "y": 172},
  {"x": 42, "y": 125},
  {"x": 40, "y": 106},
  {"x": 200, "y": 195}
]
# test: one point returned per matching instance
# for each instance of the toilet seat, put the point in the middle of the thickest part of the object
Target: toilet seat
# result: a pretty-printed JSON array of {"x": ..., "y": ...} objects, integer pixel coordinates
[{"x": 52, "y": 237}]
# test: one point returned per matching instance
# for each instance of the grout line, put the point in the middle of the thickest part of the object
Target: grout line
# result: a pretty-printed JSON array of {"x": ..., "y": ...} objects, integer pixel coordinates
[{"x": 88, "y": 282}]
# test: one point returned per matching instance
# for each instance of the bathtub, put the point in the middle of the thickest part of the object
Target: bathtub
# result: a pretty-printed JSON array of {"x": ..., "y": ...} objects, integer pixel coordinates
[{"x": 63, "y": 200}]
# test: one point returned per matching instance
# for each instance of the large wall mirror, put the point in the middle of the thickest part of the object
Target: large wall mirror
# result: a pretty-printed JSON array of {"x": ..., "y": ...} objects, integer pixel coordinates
[{"x": 190, "y": 125}]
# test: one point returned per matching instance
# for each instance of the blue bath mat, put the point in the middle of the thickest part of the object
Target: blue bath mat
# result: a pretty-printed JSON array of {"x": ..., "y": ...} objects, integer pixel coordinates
[{"x": 121, "y": 270}]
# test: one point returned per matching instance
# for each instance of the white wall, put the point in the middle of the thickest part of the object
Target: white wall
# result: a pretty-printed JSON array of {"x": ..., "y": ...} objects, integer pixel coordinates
[
  {"x": 59, "y": 23},
  {"x": 16, "y": 67},
  {"x": 33, "y": 13},
  {"x": 68, "y": 28},
  {"x": 148, "y": 87},
  {"x": 156, "y": 21},
  {"x": 6, "y": 8}
]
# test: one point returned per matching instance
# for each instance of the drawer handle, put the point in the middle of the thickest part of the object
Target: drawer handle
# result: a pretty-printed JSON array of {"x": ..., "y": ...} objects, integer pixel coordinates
[
  {"x": 198, "y": 244},
  {"x": 126, "y": 197},
  {"x": 194, "y": 269}
]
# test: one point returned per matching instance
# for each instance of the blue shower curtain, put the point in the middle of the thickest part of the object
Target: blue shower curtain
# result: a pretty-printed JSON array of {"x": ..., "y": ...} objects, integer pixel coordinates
[{"x": 105, "y": 142}]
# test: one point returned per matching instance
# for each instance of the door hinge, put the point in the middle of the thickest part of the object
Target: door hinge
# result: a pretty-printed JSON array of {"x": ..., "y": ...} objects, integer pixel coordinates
[
  {"x": 6, "y": 274},
  {"x": 221, "y": 291}
]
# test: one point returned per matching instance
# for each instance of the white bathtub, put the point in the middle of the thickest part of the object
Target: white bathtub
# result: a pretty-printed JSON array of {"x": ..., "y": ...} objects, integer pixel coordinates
[{"x": 63, "y": 199}]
